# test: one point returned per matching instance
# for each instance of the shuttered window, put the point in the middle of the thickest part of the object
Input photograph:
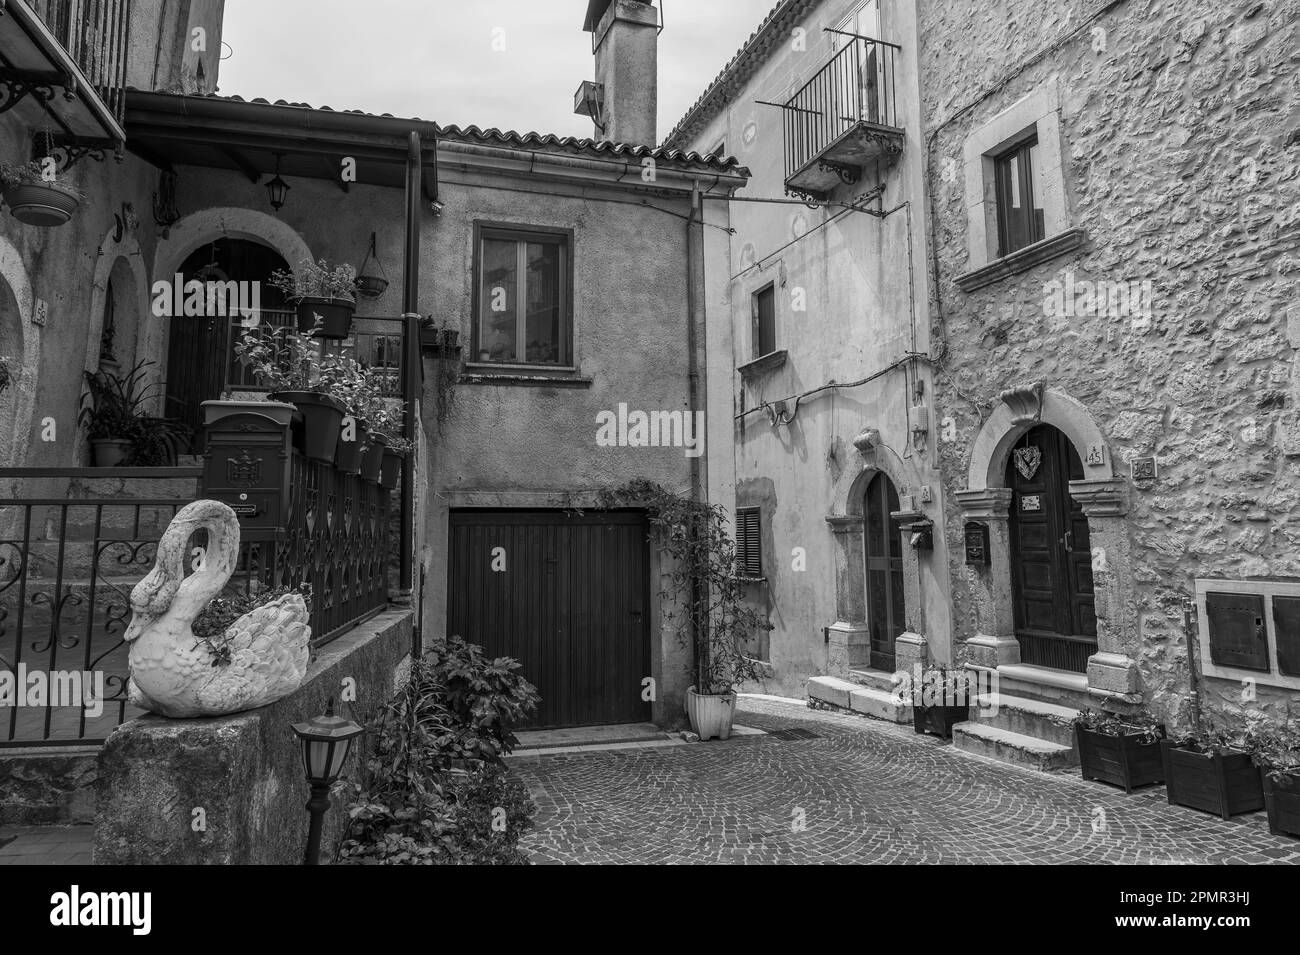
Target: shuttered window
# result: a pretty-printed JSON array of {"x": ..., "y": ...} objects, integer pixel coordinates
[
  {"x": 749, "y": 542},
  {"x": 1236, "y": 629},
  {"x": 764, "y": 309},
  {"x": 1286, "y": 626}
]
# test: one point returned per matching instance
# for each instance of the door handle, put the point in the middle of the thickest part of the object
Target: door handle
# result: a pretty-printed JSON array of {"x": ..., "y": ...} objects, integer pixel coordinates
[{"x": 1068, "y": 540}]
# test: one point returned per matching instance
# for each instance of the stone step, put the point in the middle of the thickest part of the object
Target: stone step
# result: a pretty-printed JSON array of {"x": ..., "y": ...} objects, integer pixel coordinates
[
  {"x": 875, "y": 679},
  {"x": 1008, "y": 747},
  {"x": 866, "y": 700},
  {"x": 1044, "y": 684},
  {"x": 1047, "y": 721}
]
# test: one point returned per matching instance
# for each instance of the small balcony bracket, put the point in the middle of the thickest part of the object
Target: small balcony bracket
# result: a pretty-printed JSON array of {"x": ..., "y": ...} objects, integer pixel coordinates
[
  {"x": 17, "y": 85},
  {"x": 849, "y": 175},
  {"x": 68, "y": 150}
]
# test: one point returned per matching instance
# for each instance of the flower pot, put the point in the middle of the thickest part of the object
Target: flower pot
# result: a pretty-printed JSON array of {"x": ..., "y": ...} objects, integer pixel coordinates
[
  {"x": 46, "y": 204},
  {"x": 371, "y": 286},
  {"x": 392, "y": 468},
  {"x": 372, "y": 459},
  {"x": 350, "y": 453},
  {"x": 1122, "y": 760},
  {"x": 322, "y": 418},
  {"x": 110, "y": 452},
  {"x": 335, "y": 315},
  {"x": 278, "y": 411},
  {"x": 1282, "y": 800},
  {"x": 710, "y": 713},
  {"x": 938, "y": 720},
  {"x": 1226, "y": 784}
]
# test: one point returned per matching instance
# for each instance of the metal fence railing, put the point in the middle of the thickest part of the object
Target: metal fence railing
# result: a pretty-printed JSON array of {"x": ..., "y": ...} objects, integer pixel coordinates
[{"x": 95, "y": 33}]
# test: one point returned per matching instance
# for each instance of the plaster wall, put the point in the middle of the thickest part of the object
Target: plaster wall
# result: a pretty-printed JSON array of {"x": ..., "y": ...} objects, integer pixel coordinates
[{"x": 848, "y": 293}]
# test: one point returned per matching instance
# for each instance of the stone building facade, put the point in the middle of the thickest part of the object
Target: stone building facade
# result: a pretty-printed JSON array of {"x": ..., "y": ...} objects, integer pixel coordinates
[{"x": 1147, "y": 317}]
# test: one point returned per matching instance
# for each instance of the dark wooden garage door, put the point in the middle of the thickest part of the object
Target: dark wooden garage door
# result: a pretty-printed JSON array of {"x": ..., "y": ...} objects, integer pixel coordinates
[{"x": 571, "y": 605}]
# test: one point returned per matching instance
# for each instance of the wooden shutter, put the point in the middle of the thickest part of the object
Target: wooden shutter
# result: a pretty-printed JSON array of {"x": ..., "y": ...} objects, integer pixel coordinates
[
  {"x": 749, "y": 546},
  {"x": 1286, "y": 628},
  {"x": 1238, "y": 637}
]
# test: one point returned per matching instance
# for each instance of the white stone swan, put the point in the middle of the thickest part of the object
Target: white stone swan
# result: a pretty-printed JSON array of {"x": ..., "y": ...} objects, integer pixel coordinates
[{"x": 172, "y": 672}]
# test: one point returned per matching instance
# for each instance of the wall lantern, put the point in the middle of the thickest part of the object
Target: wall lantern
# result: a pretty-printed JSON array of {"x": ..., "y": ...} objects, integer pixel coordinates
[
  {"x": 326, "y": 741},
  {"x": 277, "y": 188},
  {"x": 921, "y": 535}
]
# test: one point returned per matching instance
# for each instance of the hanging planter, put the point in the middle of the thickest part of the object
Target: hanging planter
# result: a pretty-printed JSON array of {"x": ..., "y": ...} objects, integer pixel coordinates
[
  {"x": 392, "y": 467},
  {"x": 33, "y": 199},
  {"x": 322, "y": 421},
  {"x": 325, "y": 297},
  {"x": 351, "y": 453},
  {"x": 370, "y": 285},
  {"x": 372, "y": 459}
]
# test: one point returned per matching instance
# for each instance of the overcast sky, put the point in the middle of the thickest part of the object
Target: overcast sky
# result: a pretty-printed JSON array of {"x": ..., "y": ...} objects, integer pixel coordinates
[{"x": 435, "y": 59}]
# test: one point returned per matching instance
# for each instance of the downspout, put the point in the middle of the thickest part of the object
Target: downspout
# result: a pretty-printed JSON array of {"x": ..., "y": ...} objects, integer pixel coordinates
[
  {"x": 411, "y": 368},
  {"x": 694, "y": 314}
]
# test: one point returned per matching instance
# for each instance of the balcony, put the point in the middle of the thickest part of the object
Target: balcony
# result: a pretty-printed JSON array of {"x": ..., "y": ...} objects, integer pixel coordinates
[
  {"x": 63, "y": 66},
  {"x": 842, "y": 119}
]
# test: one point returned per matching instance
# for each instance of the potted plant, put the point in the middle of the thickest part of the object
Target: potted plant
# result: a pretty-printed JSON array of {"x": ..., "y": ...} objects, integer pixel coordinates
[
  {"x": 1277, "y": 754},
  {"x": 325, "y": 297},
  {"x": 368, "y": 283},
  {"x": 1123, "y": 750},
  {"x": 710, "y": 608},
  {"x": 288, "y": 363},
  {"x": 941, "y": 700},
  {"x": 1213, "y": 772},
  {"x": 121, "y": 433},
  {"x": 35, "y": 197}
]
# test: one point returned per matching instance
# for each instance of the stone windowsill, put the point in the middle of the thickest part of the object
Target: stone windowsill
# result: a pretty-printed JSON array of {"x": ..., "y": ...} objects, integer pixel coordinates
[
  {"x": 762, "y": 364},
  {"x": 543, "y": 376},
  {"x": 1022, "y": 260}
]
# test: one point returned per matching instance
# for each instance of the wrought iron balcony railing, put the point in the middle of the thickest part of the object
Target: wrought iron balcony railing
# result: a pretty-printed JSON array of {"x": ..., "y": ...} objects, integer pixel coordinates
[
  {"x": 95, "y": 33},
  {"x": 843, "y": 118}
]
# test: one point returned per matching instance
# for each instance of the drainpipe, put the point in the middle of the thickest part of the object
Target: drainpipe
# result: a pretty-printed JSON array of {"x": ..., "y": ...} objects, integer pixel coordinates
[
  {"x": 694, "y": 317},
  {"x": 411, "y": 369}
]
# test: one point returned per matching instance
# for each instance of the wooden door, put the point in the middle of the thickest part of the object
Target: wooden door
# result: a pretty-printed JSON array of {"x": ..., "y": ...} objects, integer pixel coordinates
[
  {"x": 567, "y": 596},
  {"x": 885, "y": 613},
  {"x": 1051, "y": 556}
]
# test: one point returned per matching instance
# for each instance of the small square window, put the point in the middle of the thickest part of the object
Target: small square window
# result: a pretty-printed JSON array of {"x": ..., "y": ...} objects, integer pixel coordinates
[
  {"x": 764, "y": 308},
  {"x": 522, "y": 297},
  {"x": 749, "y": 542},
  {"x": 1018, "y": 180}
]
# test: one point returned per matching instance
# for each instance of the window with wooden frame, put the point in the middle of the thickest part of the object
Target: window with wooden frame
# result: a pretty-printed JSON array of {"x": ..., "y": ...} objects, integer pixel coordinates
[
  {"x": 764, "y": 315},
  {"x": 523, "y": 296},
  {"x": 749, "y": 542},
  {"x": 1018, "y": 181}
]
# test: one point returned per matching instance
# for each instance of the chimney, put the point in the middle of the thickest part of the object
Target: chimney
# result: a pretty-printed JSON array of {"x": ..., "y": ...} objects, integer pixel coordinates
[{"x": 624, "y": 99}]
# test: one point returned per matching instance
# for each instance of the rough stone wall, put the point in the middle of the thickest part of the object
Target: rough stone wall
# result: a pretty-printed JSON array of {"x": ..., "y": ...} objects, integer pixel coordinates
[{"x": 1181, "y": 153}]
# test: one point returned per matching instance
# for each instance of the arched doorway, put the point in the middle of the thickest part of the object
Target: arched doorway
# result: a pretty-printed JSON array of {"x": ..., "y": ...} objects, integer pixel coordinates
[
  {"x": 886, "y": 619},
  {"x": 1051, "y": 557},
  {"x": 200, "y": 351}
]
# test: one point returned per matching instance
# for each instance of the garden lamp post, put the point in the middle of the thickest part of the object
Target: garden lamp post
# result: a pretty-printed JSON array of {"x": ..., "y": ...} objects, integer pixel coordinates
[{"x": 325, "y": 744}]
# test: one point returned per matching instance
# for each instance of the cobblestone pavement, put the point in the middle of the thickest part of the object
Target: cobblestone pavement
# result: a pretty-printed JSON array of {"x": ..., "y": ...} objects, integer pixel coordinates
[
  {"x": 867, "y": 791},
  {"x": 46, "y": 845}
]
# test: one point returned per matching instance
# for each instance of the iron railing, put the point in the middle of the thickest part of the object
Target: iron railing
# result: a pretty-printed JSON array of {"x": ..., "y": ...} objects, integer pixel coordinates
[
  {"x": 95, "y": 33},
  {"x": 378, "y": 348},
  {"x": 1056, "y": 651},
  {"x": 857, "y": 85},
  {"x": 67, "y": 568}
]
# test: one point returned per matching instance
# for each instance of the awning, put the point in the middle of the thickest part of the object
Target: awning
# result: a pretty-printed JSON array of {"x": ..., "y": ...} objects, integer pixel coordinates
[
  {"x": 42, "y": 84},
  {"x": 218, "y": 132}
]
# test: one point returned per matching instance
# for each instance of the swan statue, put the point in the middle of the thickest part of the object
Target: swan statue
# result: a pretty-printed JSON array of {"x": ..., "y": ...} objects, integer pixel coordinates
[{"x": 173, "y": 673}]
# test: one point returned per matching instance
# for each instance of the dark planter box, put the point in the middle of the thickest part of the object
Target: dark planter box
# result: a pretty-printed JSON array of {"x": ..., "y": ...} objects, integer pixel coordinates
[
  {"x": 1224, "y": 784},
  {"x": 372, "y": 461},
  {"x": 938, "y": 720},
  {"x": 335, "y": 314},
  {"x": 349, "y": 455},
  {"x": 322, "y": 418},
  {"x": 392, "y": 469},
  {"x": 1282, "y": 800},
  {"x": 1120, "y": 760}
]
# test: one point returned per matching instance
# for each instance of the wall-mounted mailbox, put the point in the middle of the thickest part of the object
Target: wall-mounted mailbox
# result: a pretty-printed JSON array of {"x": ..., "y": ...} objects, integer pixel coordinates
[
  {"x": 246, "y": 465},
  {"x": 977, "y": 543},
  {"x": 1235, "y": 624}
]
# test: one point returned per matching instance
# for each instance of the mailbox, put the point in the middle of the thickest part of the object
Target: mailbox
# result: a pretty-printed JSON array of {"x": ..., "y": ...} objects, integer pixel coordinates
[
  {"x": 977, "y": 543},
  {"x": 1235, "y": 624},
  {"x": 247, "y": 464}
]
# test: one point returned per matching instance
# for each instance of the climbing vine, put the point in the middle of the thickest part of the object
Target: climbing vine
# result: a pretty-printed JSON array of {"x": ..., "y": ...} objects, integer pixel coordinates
[{"x": 705, "y": 598}]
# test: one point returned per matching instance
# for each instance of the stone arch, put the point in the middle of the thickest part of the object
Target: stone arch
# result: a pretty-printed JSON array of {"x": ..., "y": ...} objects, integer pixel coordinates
[
  {"x": 20, "y": 340},
  {"x": 852, "y": 487},
  {"x": 1014, "y": 416},
  {"x": 200, "y": 228}
]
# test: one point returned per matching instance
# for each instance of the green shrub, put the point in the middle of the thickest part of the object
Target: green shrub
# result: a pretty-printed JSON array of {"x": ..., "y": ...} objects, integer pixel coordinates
[{"x": 433, "y": 789}]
